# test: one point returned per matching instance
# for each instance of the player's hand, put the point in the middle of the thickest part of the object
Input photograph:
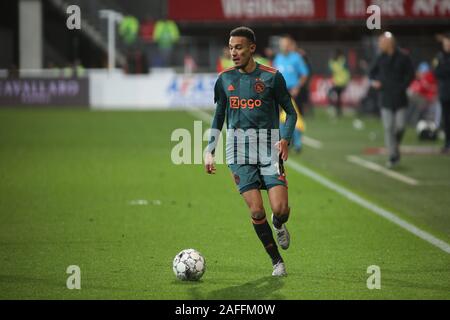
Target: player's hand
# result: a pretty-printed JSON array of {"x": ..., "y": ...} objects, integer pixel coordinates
[
  {"x": 376, "y": 84},
  {"x": 295, "y": 92},
  {"x": 283, "y": 148},
  {"x": 210, "y": 167}
]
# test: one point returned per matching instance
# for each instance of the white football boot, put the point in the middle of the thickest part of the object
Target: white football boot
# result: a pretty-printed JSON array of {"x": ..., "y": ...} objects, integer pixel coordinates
[
  {"x": 279, "y": 270},
  {"x": 283, "y": 237}
]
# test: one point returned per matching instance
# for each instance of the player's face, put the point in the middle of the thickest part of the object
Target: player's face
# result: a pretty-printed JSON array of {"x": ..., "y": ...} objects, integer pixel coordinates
[
  {"x": 446, "y": 44},
  {"x": 241, "y": 51},
  {"x": 285, "y": 45},
  {"x": 382, "y": 44},
  {"x": 386, "y": 44}
]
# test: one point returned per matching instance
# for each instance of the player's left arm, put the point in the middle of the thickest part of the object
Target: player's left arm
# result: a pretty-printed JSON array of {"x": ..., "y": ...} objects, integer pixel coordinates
[
  {"x": 303, "y": 71},
  {"x": 284, "y": 99}
]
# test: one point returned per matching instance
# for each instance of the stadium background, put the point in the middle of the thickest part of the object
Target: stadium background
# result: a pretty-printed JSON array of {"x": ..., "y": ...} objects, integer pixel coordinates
[
  {"x": 320, "y": 27},
  {"x": 96, "y": 188}
]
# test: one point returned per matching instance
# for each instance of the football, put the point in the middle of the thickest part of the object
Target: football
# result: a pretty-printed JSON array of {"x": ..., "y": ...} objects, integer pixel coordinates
[
  {"x": 189, "y": 265},
  {"x": 427, "y": 130}
]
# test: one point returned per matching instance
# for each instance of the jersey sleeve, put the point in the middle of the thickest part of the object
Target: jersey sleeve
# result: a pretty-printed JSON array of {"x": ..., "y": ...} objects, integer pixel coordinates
[
  {"x": 220, "y": 100},
  {"x": 284, "y": 100},
  {"x": 302, "y": 68}
]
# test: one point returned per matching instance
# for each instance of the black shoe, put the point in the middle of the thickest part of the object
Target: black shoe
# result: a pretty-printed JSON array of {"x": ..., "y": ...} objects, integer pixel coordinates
[{"x": 393, "y": 162}]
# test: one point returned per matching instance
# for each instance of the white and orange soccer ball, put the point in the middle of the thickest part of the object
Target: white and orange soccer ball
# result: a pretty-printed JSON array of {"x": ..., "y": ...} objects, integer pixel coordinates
[{"x": 189, "y": 264}]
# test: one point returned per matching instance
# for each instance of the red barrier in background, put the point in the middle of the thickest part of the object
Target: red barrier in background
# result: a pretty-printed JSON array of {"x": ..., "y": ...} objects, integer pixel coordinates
[
  {"x": 310, "y": 10},
  {"x": 263, "y": 10},
  {"x": 394, "y": 9}
]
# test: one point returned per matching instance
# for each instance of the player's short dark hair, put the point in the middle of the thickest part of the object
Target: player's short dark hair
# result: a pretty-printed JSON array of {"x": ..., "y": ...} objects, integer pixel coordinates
[
  {"x": 245, "y": 32},
  {"x": 287, "y": 36}
]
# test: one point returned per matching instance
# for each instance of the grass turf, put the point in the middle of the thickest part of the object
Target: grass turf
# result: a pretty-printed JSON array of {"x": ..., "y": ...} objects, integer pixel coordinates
[{"x": 67, "y": 179}]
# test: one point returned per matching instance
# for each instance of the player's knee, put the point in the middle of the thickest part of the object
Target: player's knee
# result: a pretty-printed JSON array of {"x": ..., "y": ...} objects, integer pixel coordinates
[
  {"x": 258, "y": 213},
  {"x": 281, "y": 209}
]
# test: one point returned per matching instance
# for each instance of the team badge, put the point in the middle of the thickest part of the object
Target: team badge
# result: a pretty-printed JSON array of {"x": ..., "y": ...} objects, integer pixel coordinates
[
  {"x": 236, "y": 179},
  {"x": 259, "y": 86}
]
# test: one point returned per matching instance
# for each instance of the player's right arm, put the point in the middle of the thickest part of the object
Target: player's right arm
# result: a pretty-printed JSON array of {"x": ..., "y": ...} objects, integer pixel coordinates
[{"x": 220, "y": 100}]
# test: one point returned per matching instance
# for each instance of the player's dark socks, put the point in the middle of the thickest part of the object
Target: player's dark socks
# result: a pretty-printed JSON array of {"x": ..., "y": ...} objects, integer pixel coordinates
[
  {"x": 279, "y": 220},
  {"x": 264, "y": 232}
]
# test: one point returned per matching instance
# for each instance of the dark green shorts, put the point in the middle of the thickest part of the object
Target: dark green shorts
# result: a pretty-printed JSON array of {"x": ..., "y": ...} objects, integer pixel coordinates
[{"x": 252, "y": 176}]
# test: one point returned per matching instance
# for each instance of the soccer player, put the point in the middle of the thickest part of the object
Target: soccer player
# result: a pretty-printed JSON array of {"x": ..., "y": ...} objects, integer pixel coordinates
[
  {"x": 249, "y": 95},
  {"x": 341, "y": 78},
  {"x": 294, "y": 70}
]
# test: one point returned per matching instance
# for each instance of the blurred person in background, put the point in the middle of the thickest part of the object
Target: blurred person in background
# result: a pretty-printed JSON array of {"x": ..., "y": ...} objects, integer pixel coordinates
[
  {"x": 129, "y": 29},
  {"x": 304, "y": 91},
  {"x": 295, "y": 72},
  {"x": 391, "y": 74},
  {"x": 261, "y": 59},
  {"x": 166, "y": 34},
  {"x": 422, "y": 94},
  {"x": 340, "y": 77},
  {"x": 79, "y": 70},
  {"x": 53, "y": 70},
  {"x": 190, "y": 66},
  {"x": 224, "y": 61},
  {"x": 442, "y": 72}
]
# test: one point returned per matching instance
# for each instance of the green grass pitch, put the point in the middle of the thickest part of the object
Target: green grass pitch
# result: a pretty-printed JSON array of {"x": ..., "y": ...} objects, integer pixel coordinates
[{"x": 68, "y": 179}]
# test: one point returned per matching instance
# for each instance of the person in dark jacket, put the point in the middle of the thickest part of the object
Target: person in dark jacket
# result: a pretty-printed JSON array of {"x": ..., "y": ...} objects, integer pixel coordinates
[
  {"x": 442, "y": 72},
  {"x": 391, "y": 74}
]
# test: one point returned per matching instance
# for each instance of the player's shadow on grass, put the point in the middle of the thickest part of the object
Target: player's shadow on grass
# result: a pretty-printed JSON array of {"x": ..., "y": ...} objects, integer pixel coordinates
[{"x": 262, "y": 288}]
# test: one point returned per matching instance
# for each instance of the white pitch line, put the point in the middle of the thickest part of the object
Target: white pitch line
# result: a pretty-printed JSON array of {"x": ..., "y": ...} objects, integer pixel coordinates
[
  {"x": 205, "y": 116},
  {"x": 377, "y": 168},
  {"x": 444, "y": 246},
  {"x": 200, "y": 114},
  {"x": 313, "y": 143},
  {"x": 438, "y": 243}
]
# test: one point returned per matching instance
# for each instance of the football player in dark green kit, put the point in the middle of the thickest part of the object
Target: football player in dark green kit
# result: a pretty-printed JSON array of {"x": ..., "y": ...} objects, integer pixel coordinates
[{"x": 249, "y": 95}]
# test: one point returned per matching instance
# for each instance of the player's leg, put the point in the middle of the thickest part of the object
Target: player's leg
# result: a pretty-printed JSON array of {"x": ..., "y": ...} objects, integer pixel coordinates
[
  {"x": 339, "y": 91},
  {"x": 254, "y": 201},
  {"x": 390, "y": 139},
  {"x": 278, "y": 198},
  {"x": 400, "y": 124}
]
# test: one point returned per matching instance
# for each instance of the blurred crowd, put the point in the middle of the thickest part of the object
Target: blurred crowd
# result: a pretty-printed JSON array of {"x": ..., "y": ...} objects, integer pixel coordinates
[{"x": 417, "y": 98}]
